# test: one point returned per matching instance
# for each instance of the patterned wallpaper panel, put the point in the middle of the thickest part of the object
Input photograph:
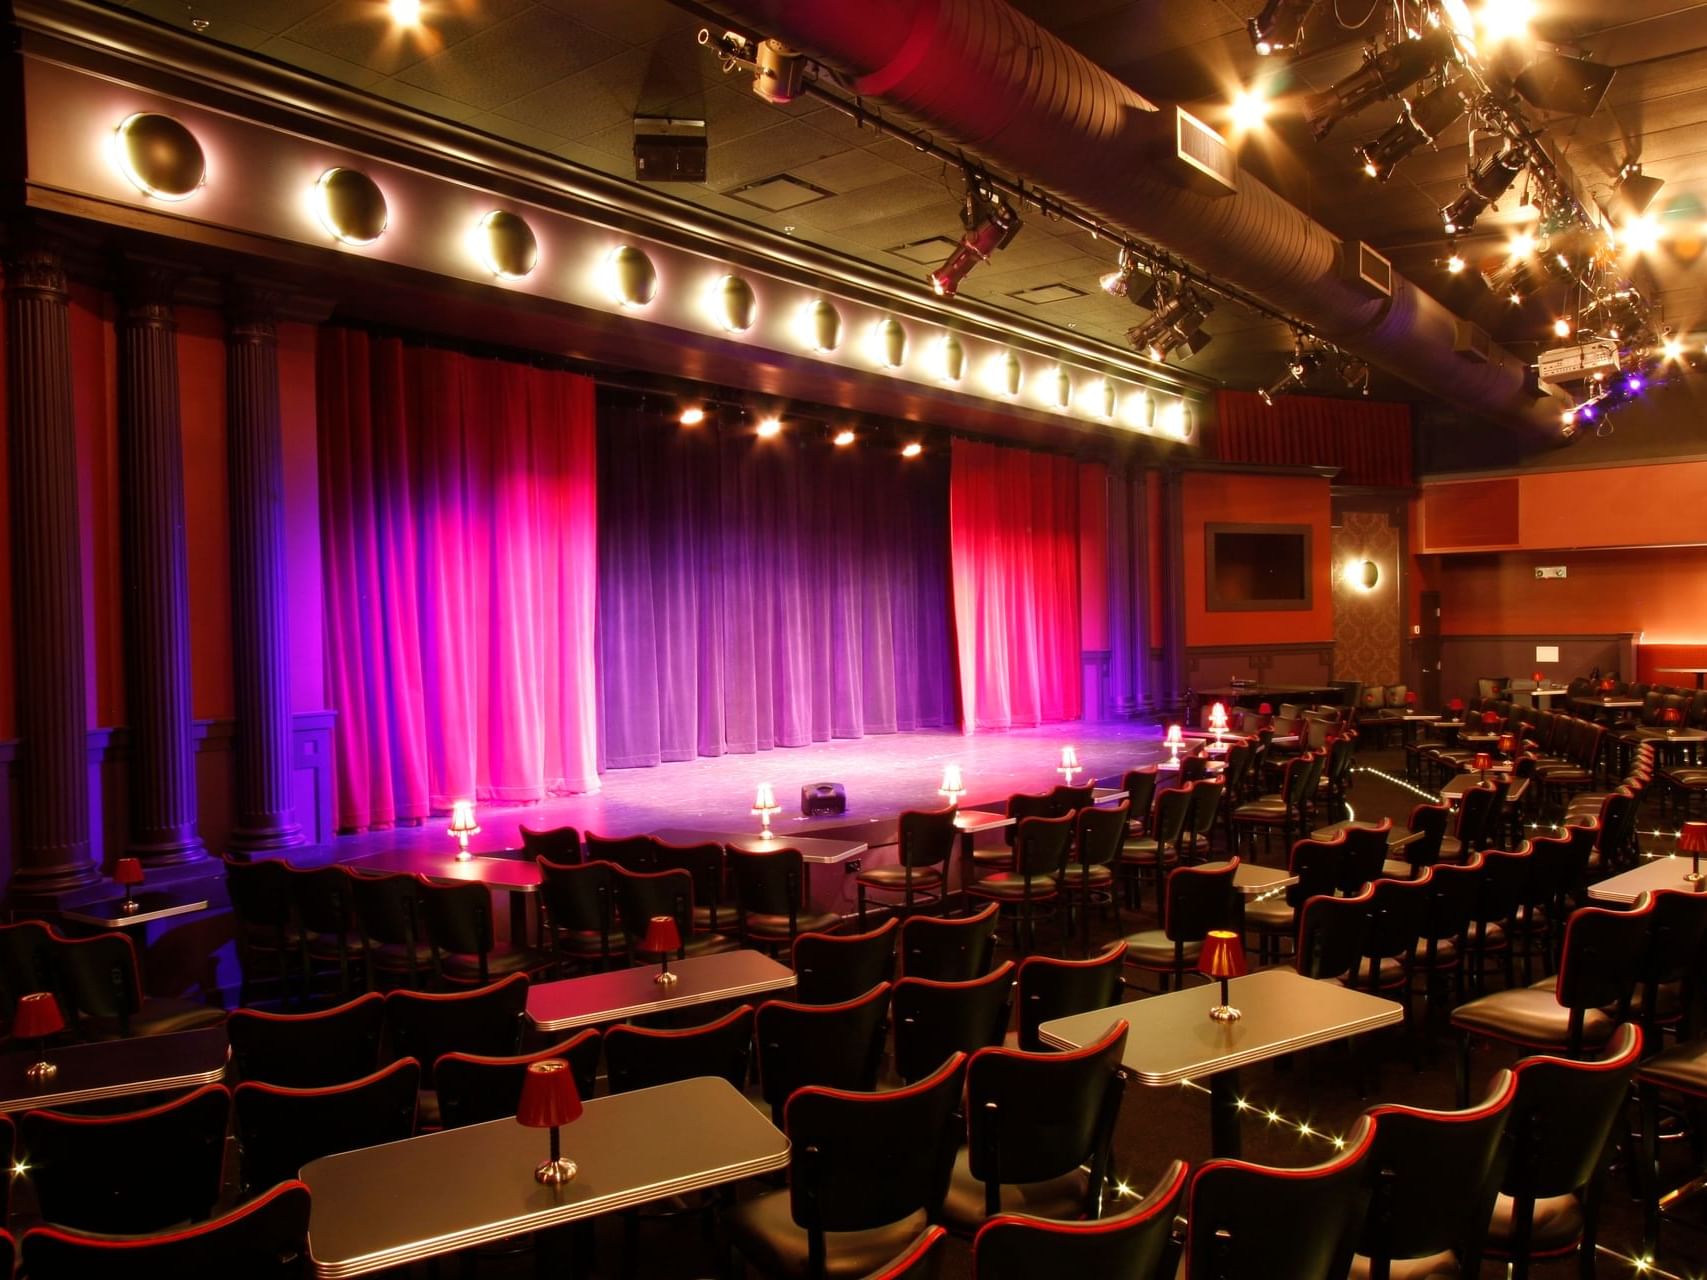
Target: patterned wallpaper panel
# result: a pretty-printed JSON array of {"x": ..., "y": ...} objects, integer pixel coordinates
[{"x": 1366, "y": 622}]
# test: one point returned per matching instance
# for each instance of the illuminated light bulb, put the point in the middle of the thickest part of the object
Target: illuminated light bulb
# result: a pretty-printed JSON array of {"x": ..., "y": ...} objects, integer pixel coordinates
[
  {"x": 1248, "y": 110},
  {"x": 691, "y": 416},
  {"x": 844, "y": 438},
  {"x": 1506, "y": 19},
  {"x": 1639, "y": 235},
  {"x": 912, "y": 449},
  {"x": 1562, "y": 327},
  {"x": 1515, "y": 298},
  {"x": 1672, "y": 349},
  {"x": 768, "y": 427},
  {"x": 1521, "y": 246},
  {"x": 406, "y": 13},
  {"x": 1454, "y": 264},
  {"x": 1568, "y": 417}
]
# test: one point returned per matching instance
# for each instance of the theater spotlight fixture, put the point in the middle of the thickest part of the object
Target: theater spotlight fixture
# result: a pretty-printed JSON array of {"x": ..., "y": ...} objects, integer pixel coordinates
[
  {"x": 1382, "y": 75},
  {"x": 691, "y": 415},
  {"x": 507, "y": 245},
  {"x": 1297, "y": 372},
  {"x": 159, "y": 156},
  {"x": 769, "y": 426},
  {"x": 1178, "y": 320},
  {"x": 1417, "y": 124},
  {"x": 912, "y": 449},
  {"x": 1118, "y": 283},
  {"x": 351, "y": 206},
  {"x": 1633, "y": 191},
  {"x": 1279, "y": 26},
  {"x": 991, "y": 224},
  {"x": 1489, "y": 179},
  {"x": 843, "y": 438}
]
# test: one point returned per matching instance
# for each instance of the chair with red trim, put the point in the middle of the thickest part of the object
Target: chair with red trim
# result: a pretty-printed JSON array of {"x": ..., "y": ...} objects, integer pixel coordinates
[
  {"x": 945, "y": 949},
  {"x": 132, "y": 1172},
  {"x": 472, "y": 1088},
  {"x": 8, "y": 1147},
  {"x": 1199, "y": 899},
  {"x": 631, "y": 853},
  {"x": 26, "y": 962},
  {"x": 578, "y": 905},
  {"x": 1567, "y": 1013},
  {"x": 1435, "y": 1176},
  {"x": 1428, "y": 823},
  {"x": 279, "y": 1130},
  {"x": 457, "y": 918},
  {"x": 923, "y": 846},
  {"x": 641, "y": 1057},
  {"x": 1041, "y": 846},
  {"x": 1039, "y": 1130},
  {"x": 97, "y": 978},
  {"x": 1563, "y": 1119},
  {"x": 1365, "y": 855},
  {"x": 935, "y": 1020},
  {"x": 1331, "y": 935},
  {"x": 1681, "y": 1070},
  {"x": 1155, "y": 850},
  {"x": 832, "y": 967},
  {"x": 307, "y": 1050},
  {"x": 262, "y": 1239},
  {"x": 1248, "y": 1220},
  {"x": 1089, "y": 873},
  {"x": 1314, "y": 866},
  {"x": 558, "y": 844},
  {"x": 770, "y": 898},
  {"x": 922, "y": 1260},
  {"x": 839, "y": 1046},
  {"x": 1047, "y": 988},
  {"x": 388, "y": 917},
  {"x": 259, "y": 892},
  {"x": 427, "y": 1025},
  {"x": 866, "y": 1173},
  {"x": 641, "y": 895},
  {"x": 1135, "y": 1243}
]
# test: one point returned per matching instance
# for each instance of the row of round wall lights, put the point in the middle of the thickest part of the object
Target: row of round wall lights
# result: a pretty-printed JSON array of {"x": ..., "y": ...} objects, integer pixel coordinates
[{"x": 163, "y": 160}]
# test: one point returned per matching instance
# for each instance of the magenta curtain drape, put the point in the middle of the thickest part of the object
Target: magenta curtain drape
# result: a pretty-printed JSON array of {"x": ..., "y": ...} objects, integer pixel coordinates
[
  {"x": 1369, "y": 440},
  {"x": 459, "y": 531},
  {"x": 1014, "y": 549}
]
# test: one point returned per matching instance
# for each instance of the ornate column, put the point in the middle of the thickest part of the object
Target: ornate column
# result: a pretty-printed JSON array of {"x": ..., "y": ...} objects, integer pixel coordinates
[
  {"x": 47, "y": 580},
  {"x": 266, "y": 813},
  {"x": 156, "y": 591}
]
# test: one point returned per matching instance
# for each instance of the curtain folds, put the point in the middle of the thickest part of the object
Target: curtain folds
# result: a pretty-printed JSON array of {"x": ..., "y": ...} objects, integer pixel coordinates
[
  {"x": 1014, "y": 530},
  {"x": 458, "y": 520},
  {"x": 763, "y": 593},
  {"x": 1369, "y": 440}
]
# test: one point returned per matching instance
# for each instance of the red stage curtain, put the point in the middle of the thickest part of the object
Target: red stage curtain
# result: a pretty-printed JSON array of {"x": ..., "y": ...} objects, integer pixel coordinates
[
  {"x": 1014, "y": 548},
  {"x": 1369, "y": 440},
  {"x": 458, "y": 506}
]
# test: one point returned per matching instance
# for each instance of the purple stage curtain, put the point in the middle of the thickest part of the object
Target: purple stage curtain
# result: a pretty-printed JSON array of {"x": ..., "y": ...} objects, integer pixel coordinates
[
  {"x": 764, "y": 593},
  {"x": 458, "y": 521},
  {"x": 1014, "y": 528},
  {"x": 1369, "y": 440}
]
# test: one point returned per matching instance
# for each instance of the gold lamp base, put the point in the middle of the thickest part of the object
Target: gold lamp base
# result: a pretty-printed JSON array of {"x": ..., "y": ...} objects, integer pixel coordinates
[
  {"x": 1225, "y": 1013},
  {"x": 130, "y": 906},
  {"x": 41, "y": 1072},
  {"x": 554, "y": 1173},
  {"x": 664, "y": 978}
]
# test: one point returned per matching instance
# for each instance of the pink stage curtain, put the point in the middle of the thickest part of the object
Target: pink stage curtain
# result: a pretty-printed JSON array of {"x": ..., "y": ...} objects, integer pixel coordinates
[
  {"x": 1369, "y": 440},
  {"x": 458, "y": 521},
  {"x": 1014, "y": 547}
]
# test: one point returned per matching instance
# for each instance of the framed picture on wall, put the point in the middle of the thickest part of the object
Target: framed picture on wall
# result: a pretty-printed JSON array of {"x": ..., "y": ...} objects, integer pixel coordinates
[{"x": 1257, "y": 567}]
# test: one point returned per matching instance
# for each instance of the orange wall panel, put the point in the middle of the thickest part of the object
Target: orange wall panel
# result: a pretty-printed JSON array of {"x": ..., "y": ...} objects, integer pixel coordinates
[
  {"x": 1222, "y": 497},
  {"x": 1653, "y": 506},
  {"x": 207, "y": 530},
  {"x": 1661, "y": 592},
  {"x": 1471, "y": 513}
]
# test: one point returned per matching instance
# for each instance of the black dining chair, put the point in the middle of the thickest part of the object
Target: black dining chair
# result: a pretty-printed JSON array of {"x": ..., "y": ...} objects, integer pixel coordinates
[
  {"x": 555, "y": 844},
  {"x": 1199, "y": 899},
  {"x": 949, "y": 949},
  {"x": 1156, "y": 851},
  {"x": 924, "y": 844},
  {"x": 472, "y": 1088},
  {"x": 388, "y": 917},
  {"x": 98, "y": 981},
  {"x": 934, "y": 1020},
  {"x": 457, "y": 916},
  {"x": 924, "y": 1259},
  {"x": 631, "y": 853},
  {"x": 703, "y": 863},
  {"x": 770, "y": 898},
  {"x": 279, "y": 1130},
  {"x": 306, "y": 1050},
  {"x": 1314, "y": 866},
  {"x": 1136, "y": 1242},
  {"x": 639, "y": 1057},
  {"x": 641, "y": 895},
  {"x": 1331, "y": 934},
  {"x": 321, "y": 898},
  {"x": 1100, "y": 833},
  {"x": 1040, "y": 853},
  {"x": 578, "y": 902},
  {"x": 261, "y": 912},
  {"x": 838, "y": 1046},
  {"x": 1047, "y": 988},
  {"x": 832, "y": 967}
]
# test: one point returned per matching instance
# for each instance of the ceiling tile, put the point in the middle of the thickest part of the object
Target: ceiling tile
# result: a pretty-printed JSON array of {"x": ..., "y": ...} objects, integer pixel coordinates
[{"x": 511, "y": 58}]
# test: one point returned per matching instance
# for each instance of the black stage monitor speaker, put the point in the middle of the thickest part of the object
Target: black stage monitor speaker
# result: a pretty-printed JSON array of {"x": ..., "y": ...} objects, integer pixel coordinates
[{"x": 822, "y": 799}]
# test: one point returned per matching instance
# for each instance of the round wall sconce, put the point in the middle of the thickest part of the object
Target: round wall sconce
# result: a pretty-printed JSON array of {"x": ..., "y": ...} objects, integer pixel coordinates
[
  {"x": 820, "y": 326},
  {"x": 351, "y": 205},
  {"x": 951, "y": 358},
  {"x": 1107, "y": 398},
  {"x": 732, "y": 304},
  {"x": 507, "y": 245},
  {"x": 1005, "y": 375},
  {"x": 630, "y": 278},
  {"x": 159, "y": 156},
  {"x": 889, "y": 343},
  {"x": 1061, "y": 389},
  {"x": 1366, "y": 574},
  {"x": 1141, "y": 411}
]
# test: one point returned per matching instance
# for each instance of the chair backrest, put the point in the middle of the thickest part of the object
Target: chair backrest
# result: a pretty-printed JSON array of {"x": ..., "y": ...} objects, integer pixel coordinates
[
  {"x": 832, "y": 967},
  {"x": 839, "y": 1046},
  {"x": 130, "y": 1173},
  {"x": 949, "y": 949},
  {"x": 1031, "y": 1117},
  {"x": 640, "y": 895},
  {"x": 259, "y": 892},
  {"x": 1500, "y": 887},
  {"x": 1398, "y": 910},
  {"x": 1564, "y": 1115},
  {"x": 926, "y": 837},
  {"x": 1022, "y": 805},
  {"x": 1199, "y": 899},
  {"x": 26, "y": 963},
  {"x": 1131, "y": 1243},
  {"x": 1041, "y": 845},
  {"x": 1140, "y": 788},
  {"x": 771, "y": 883},
  {"x": 1173, "y": 811},
  {"x": 387, "y": 908},
  {"x": 1474, "y": 812},
  {"x": 1331, "y": 933},
  {"x": 577, "y": 898},
  {"x": 1435, "y": 1175},
  {"x": 1066, "y": 799},
  {"x": 474, "y": 1087},
  {"x": 321, "y": 897},
  {"x": 457, "y": 916},
  {"x": 704, "y": 865},
  {"x": 1280, "y": 1224},
  {"x": 97, "y": 976},
  {"x": 1365, "y": 855},
  {"x": 1316, "y": 866},
  {"x": 306, "y": 1050},
  {"x": 1603, "y": 955},
  {"x": 1432, "y": 820},
  {"x": 1677, "y": 946},
  {"x": 934, "y": 1020},
  {"x": 1239, "y": 759},
  {"x": 864, "y": 1160},
  {"x": 427, "y": 1025},
  {"x": 262, "y": 1239},
  {"x": 1454, "y": 888},
  {"x": 1205, "y": 806},
  {"x": 559, "y": 844},
  {"x": 279, "y": 1130},
  {"x": 1101, "y": 832},
  {"x": 1048, "y": 988},
  {"x": 640, "y": 1057},
  {"x": 631, "y": 853}
]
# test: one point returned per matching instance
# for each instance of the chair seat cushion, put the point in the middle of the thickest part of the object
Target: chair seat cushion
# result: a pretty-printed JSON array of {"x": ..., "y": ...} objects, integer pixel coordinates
[
  {"x": 324, "y": 946},
  {"x": 393, "y": 957},
  {"x": 1271, "y": 915},
  {"x": 1398, "y": 869},
  {"x": 763, "y": 925},
  {"x": 1451, "y": 849},
  {"x": 896, "y": 878},
  {"x": 763, "y": 1230},
  {"x": 1073, "y": 876},
  {"x": 501, "y": 961},
  {"x": 1153, "y": 949},
  {"x": 1143, "y": 854},
  {"x": 1058, "y": 1198},
  {"x": 1009, "y": 886},
  {"x": 157, "y": 1017},
  {"x": 587, "y": 942},
  {"x": 1529, "y": 1016},
  {"x": 1687, "y": 777},
  {"x": 1564, "y": 773},
  {"x": 1557, "y": 1225},
  {"x": 1442, "y": 1266},
  {"x": 1683, "y": 1068},
  {"x": 1389, "y": 974},
  {"x": 1265, "y": 809}
]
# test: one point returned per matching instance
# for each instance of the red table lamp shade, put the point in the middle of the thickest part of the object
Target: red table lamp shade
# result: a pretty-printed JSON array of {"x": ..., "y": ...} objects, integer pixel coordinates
[
  {"x": 1491, "y": 717},
  {"x": 38, "y": 1016},
  {"x": 1608, "y": 685},
  {"x": 549, "y": 1096},
  {"x": 1223, "y": 955},
  {"x": 1671, "y": 715},
  {"x": 1507, "y": 743},
  {"x": 1410, "y": 697},
  {"x": 1536, "y": 678},
  {"x": 1693, "y": 839},
  {"x": 1457, "y": 704},
  {"x": 662, "y": 936},
  {"x": 128, "y": 871},
  {"x": 1265, "y": 710},
  {"x": 1483, "y": 762}
]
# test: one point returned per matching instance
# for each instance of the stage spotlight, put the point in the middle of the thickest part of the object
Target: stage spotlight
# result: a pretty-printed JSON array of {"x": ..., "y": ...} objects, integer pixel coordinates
[
  {"x": 1562, "y": 328},
  {"x": 1671, "y": 347},
  {"x": 691, "y": 415},
  {"x": 768, "y": 427},
  {"x": 406, "y": 13},
  {"x": 843, "y": 438},
  {"x": 1178, "y": 320},
  {"x": 1454, "y": 264},
  {"x": 1297, "y": 372},
  {"x": 1118, "y": 283},
  {"x": 1520, "y": 245},
  {"x": 1279, "y": 26},
  {"x": 912, "y": 449},
  {"x": 1392, "y": 71},
  {"x": 1489, "y": 179},
  {"x": 1416, "y": 125},
  {"x": 1505, "y": 19},
  {"x": 1248, "y": 109},
  {"x": 991, "y": 224},
  {"x": 1640, "y": 234},
  {"x": 1634, "y": 191}
]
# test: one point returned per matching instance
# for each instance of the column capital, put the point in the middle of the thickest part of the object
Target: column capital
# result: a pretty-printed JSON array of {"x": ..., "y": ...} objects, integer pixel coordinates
[
  {"x": 147, "y": 292},
  {"x": 253, "y": 309},
  {"x": 35, "y": 264}
]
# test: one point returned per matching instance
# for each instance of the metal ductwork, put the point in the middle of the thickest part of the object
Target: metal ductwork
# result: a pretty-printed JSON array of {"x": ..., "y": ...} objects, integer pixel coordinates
[{"x": 1024, "y": 100}]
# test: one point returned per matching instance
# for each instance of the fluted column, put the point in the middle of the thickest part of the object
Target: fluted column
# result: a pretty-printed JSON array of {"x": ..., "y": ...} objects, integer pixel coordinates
[
  {"x": 156, "y": 571},
  {"x": 266, "y": 813},
  {"x": 47, "y": 580}
]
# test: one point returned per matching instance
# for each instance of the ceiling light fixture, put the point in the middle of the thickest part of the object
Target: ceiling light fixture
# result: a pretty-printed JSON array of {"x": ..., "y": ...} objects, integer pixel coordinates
[
  {"x": 1454, "y": 264},
  {"x": 991, "y": 224},
  {"x": 843, "y": 438},
  {"x": 1279, "y": 26},
  {"x": 1562, "y": 327},
  {"x": 912, "y": 449},
  {"x": 1417, "y": 125},
  {"x": 1248, "y": 109},
  {"x": 406, "y": 13},
  {"x": 1118, "y": 283},
  {"x": 1489, "y": 179},
  {"x": 769, "y": 426},
  {"x": 1384, "y": 74},
  {"x": 1633, "y": 190},
  {"x": 1505, "y": 19},
  {"x": 1179, "y": 313},
  {"x": 159, "y": 156},
  {"x": 1297, "y": 372},
  {"x": 691, "y": 415},
  {"x": 1639, "y": 234}
]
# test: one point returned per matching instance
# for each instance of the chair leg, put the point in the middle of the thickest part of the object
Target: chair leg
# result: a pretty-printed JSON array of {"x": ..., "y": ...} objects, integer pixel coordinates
[
  {"x": 860, "y": 889},
  {"x": 1647, "y": 1171}
]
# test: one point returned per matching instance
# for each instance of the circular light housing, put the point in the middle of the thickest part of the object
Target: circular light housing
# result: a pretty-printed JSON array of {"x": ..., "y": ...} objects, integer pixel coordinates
[
  {"x": 951, "y": 358},
  {"x": 1061, "y": 389},
  {"x": 1368, "y": 574},
  {"x": 629, "y": 276},
  {"x": 351, "y": 206},
  {"x": 889, "y": 343},
  {"x": 159, "y": 156},
  {"x": 507, "y": 245},
  {"x": 733, "y": 304},
  {"x": 820, "y": 326}
]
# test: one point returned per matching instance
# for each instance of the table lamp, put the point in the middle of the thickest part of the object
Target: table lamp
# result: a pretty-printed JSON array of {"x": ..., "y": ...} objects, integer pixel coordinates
[
  {"x": 1174, "y": 738},
  {"x": 550, "y": 1100},
  {"x": 1490, "y": 719},
  {"x": 1410, "y": 697},
  {"x": 1693, "y": 841},
  {"x": 1218, "y": 720},
  {"x": 1482, "y": 763},
  {"x": 128, "y": 872},
  {"x": 1222, "y": 957},
  {"x": 1507, "y": 743},
  {"x": 1455, "y": 706},
  {"x": 1671, "y": 717},
  {"x": 1608, "y": 686},
  {"x": 36, "y": 1018},
  {"x": 1539, "y": 683},
  {"x": 952, "y": 785},
  {"x": 463, "y": 825},
  {"x": 1266, "y": 711},
  {"x": 1069, "y": 763},
  {"x": 662, "y": 938},
  {"x": 764, "y": 804}
]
